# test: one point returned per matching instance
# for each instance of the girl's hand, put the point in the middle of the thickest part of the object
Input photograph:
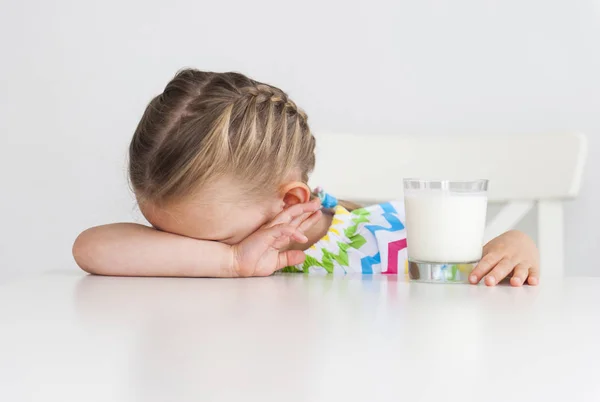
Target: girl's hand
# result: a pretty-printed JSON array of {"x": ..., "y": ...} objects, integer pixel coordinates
[
  {"x": 512, "y": 251},
  {"x": 264, "y": 251}
]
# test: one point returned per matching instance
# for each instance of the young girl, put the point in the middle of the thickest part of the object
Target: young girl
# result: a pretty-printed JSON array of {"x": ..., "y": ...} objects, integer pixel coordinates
[{"x": 219, "y": 164}]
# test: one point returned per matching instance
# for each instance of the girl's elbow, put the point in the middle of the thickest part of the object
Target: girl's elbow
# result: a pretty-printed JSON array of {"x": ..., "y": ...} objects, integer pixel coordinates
[{"x": 84, "y": 250}]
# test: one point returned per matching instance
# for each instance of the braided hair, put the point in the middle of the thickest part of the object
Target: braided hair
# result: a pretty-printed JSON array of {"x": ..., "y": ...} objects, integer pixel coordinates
[{"x": 205, "y": 125}]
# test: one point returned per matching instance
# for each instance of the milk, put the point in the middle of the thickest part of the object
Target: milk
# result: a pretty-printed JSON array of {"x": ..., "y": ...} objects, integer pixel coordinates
[{"x": 444, "y": 227}]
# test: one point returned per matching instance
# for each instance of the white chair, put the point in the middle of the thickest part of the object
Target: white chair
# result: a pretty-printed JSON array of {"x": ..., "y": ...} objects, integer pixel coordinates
[{"x": 523, "y": 171}]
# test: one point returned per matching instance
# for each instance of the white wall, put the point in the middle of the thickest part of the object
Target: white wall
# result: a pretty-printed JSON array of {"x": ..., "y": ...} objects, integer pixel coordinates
[{"x": 76, "y": 75}]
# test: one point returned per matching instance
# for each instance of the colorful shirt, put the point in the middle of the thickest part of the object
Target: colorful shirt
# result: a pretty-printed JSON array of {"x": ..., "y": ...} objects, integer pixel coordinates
[{"x": 368, "y": 240}]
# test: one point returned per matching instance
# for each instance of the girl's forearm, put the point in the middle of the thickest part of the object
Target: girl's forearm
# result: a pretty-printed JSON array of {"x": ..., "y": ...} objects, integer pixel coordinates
[{"x": 128, "y": 249}]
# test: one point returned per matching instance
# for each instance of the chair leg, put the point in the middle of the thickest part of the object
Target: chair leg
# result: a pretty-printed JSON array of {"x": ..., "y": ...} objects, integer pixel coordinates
[{"x": 551, "y": 238}]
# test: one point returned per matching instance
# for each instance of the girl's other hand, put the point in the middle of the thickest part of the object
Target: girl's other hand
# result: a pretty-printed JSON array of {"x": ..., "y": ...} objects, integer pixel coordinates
[
  {"x": 264, "y": 251},
  {"x": 512, "y": 251}
]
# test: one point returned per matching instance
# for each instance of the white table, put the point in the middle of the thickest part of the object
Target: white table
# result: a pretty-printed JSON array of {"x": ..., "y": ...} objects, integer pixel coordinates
[{"x": 69, "y": 337}]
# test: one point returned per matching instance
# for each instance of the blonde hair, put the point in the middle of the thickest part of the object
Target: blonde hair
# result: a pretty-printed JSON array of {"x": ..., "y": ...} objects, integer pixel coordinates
[{"x": 205, "y": 125}]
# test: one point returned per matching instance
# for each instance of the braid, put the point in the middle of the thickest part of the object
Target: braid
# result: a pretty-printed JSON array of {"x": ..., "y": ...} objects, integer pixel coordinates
[
  {"x": 294, "y": 140},
  {"x": 263, "y": 93},
  {"x": 290, "y": 104},
  {"x": 205, "y": 125}
]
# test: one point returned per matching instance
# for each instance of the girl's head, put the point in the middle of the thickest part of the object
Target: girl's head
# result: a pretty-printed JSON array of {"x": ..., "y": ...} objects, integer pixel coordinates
[{"x": 217, "y": 155}]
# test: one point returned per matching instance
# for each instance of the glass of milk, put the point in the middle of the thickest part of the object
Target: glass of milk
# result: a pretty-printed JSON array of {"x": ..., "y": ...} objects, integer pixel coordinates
[{"x": 445, "y": 221}]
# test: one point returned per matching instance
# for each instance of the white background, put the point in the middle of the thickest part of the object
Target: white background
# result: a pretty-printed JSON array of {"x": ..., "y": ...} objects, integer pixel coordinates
[{"x": 75, "y": 77}]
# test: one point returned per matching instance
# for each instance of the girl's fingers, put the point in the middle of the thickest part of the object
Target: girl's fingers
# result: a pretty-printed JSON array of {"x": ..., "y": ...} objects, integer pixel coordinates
[
  {"x": 306, "y": 220},
  {"x": 311, "y": 221},
  {"x": 299, "y": 236},
  {"x": 280, "y": 236},
  {"x": 288, "y": 214},
  {"x": 499, "y": 272},
  {"x": 534, "y": 276},
  {"x": 488, "y": 262},
  {"x": 520, "y": 274},
  {"x": 290, "y": 257},
  {"x": 297, "y": 221},
  {"x": 281, "y": 242}
]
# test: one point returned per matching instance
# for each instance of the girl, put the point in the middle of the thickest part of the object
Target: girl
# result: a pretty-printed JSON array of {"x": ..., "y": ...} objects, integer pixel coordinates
[{"x": 219, "y": 165}]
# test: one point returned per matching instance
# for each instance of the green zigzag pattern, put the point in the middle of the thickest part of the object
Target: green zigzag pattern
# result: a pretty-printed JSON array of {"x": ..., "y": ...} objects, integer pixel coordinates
[{"x": 356, "y": 242}]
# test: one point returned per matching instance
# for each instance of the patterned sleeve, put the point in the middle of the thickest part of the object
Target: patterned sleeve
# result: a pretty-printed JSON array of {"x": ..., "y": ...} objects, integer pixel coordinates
[
  {"x": 368, "y": 240},
  {"x": 391, "y": 238}
]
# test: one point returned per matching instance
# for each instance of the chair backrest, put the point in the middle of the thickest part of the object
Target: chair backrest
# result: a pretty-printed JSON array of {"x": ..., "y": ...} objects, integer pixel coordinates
[
  {"x": 524, "y": 171},
  {"x": 371, "y": 167}
]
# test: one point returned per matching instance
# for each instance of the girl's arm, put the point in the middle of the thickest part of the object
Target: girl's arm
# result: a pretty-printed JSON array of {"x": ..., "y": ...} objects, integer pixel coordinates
[{"x": 128, "y": 249}]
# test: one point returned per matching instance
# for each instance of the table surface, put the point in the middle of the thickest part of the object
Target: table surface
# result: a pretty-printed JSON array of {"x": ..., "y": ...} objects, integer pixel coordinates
[{"x": 70, "y": 337}]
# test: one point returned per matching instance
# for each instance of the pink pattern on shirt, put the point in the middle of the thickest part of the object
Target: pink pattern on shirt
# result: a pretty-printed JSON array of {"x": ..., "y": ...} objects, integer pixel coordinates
[{"x": 394, "y": 249}]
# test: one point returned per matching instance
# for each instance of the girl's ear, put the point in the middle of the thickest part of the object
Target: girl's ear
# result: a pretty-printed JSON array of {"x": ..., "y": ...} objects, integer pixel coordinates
[{"x": 295, "y": 193}]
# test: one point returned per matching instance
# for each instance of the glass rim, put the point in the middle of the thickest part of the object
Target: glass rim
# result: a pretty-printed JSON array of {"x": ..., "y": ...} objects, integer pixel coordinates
[{"x": 474, "y": 181}]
